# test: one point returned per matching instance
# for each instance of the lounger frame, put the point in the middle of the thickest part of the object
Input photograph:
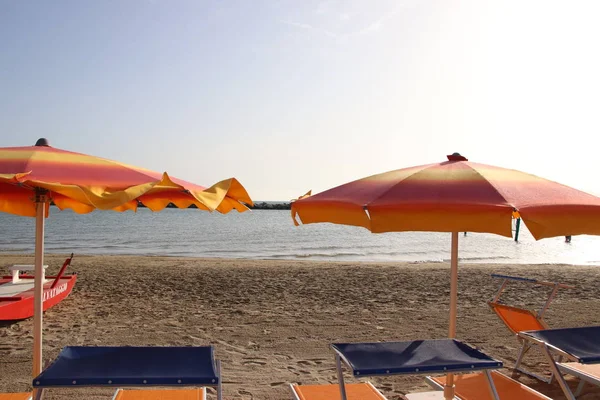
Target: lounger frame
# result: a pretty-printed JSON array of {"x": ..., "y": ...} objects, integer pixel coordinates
[
  {"x": 525, "y": 345},
  {"x": 339, "y": 357},
  {"x": 584, "y": 377},
  {"x": 555, "y": 286},
  {"x": 39, "y": 391},
  {"x": 556, "y": 366}
]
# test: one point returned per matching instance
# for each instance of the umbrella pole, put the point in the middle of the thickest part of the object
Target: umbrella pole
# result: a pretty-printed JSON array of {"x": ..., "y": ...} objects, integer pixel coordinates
[
  {"x": 40, "y": 202},
  {"x": 453, "y": 285},
  {"x": 449, "y": 388}
]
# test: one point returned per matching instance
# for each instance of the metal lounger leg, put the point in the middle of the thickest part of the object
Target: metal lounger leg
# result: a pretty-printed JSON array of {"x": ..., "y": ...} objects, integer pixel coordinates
[
  {"x": 220, "y": 385},
  {"x": 579, "y": 388},
  {"x": 550, "y": 298},
  {"x": 294, "y": 394},
  {"x": 493, "y": 391},
  {"x": 340, "y": 373},
  {"x": 559, "y": 377},
  {"x": 38, "y": 394},
  {"x": 551, "y": 378},
  {"x": 502, "y": 286},
  {"x": 526, "y": 347}
]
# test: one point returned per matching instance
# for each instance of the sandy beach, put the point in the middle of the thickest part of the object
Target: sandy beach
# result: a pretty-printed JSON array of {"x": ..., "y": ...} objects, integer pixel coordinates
[{"x": 271, "y": 321}]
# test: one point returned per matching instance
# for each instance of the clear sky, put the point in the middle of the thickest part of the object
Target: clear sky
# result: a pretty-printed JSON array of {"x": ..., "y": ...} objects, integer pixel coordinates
[{"x": 294, "y": 95}]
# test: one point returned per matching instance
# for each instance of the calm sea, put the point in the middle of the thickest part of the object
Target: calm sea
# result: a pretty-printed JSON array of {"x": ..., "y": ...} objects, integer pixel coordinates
[{"x": 270, "y": 234}]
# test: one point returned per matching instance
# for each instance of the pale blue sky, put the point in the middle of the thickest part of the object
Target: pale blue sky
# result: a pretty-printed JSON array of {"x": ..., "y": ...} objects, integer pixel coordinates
[{"x": 289, "y": 96}]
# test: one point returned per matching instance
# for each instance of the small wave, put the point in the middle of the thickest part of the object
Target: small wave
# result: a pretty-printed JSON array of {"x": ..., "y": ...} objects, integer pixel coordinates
[
  {"x": 428, "y": 261},
  {"x": 481, "y": 259},
  {"x": 315, "y": 255},
  {"x": 225, "y": 251},
  {"x": 87, "y": 246},
  {"x": 397, "y": 253},
  {"x": 338, "y": 247},
  {"x": 16, "y": 249}
]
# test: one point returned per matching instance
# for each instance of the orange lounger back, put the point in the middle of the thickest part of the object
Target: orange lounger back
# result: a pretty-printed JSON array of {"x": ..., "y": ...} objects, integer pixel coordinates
[
  {"x": 167, "y": 394},
  {"x": 354, "y": 391},
  {"x": 15, "y": 396},
  {"x": 518, "y": 319},
  {"x": 475, "y": 387}
]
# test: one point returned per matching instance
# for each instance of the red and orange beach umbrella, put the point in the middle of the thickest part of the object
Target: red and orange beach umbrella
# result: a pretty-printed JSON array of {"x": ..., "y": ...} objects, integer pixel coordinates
[
  {"x": 454, "y": 196},
  {"x": 32, "y": 177}
]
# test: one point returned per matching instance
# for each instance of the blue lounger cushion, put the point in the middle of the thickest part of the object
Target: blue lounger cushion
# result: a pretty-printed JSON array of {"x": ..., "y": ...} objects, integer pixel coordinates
[
  {"x": 417, "y": 356},
  {"x": 130, "y": 366},
  {"x": 582, "y": 343}
]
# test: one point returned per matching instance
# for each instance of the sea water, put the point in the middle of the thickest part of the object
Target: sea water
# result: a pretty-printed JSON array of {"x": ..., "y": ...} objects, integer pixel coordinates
[{"x": 270, "y": 234}]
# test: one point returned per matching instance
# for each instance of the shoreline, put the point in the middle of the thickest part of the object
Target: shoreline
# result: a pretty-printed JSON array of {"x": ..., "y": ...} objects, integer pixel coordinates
[
  {"x": 271, "y": 321},
  {"x": 399, "y": 263}
]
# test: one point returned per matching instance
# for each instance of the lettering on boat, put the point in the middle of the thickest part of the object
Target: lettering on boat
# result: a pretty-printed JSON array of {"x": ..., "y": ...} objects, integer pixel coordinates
[{"x": 48, "y": 294}]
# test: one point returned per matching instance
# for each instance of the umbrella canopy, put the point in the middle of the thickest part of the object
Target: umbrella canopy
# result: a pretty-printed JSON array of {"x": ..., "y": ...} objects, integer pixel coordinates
[
  {"x": 32, "y": 177},
  {"x": 83, "y": 183},
  {"x": 454, "y": 196}
]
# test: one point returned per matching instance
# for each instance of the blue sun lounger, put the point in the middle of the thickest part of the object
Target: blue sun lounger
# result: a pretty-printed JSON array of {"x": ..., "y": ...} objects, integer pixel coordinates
[
  {"x": 581, "y": 346},
  {"x": 82, "y": 366},
  {"x": 412, "y": 357}
]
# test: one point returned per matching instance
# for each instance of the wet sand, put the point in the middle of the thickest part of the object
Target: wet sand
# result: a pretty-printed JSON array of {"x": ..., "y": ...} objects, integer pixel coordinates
[{"x": 271, "y": 321}]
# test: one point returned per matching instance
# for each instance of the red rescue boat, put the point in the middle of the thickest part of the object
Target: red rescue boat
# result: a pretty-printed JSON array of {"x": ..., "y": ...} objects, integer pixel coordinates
[{"x": 16, "y": 291}]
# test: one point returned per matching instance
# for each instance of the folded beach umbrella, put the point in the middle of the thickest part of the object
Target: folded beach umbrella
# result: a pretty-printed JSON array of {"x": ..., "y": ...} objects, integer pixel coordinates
[
  {"x": 454, "y": 196},
  {"x": 32, "y": 177}
]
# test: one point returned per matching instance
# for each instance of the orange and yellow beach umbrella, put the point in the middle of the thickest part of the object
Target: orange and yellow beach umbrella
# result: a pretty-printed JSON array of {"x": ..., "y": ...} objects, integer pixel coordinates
[
  {"x": 32, "y": 177},
  {"x": 84, "y": 183},
  {"x": 454, "y": 196}
]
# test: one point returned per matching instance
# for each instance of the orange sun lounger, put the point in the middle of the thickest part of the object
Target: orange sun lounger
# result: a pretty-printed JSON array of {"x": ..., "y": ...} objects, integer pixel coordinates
[
  {"x": 15, "y": 396},
  {"x": 518, "y": 319},
  {"x": 354, "y": 391},
  {"x": 474, "y": 387},
  {"x": 166, "y": 394}
]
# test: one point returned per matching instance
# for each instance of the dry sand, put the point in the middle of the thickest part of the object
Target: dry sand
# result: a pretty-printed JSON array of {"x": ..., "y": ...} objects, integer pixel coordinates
[{"x": 271, "y": 321}]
